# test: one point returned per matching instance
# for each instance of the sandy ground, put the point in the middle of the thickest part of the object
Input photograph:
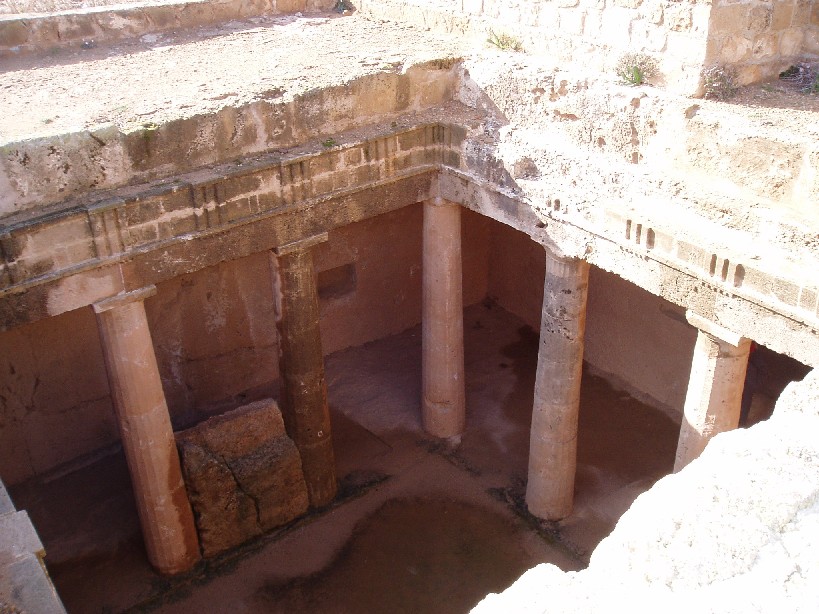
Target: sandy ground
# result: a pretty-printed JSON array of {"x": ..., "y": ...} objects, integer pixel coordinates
[
  {"x": 420, "y": 526},
  {"x": 161, "y": 77}
]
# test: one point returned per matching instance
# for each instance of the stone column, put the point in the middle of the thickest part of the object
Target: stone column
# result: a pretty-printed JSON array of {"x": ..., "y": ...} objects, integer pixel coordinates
[
  {"x": 147, "y": 436},
  {"x": 553, "y": 439},
  {"x": 301, "y": 363},
  {"x": 443, "y": 393},
  {"x": 714, "y": 397}
]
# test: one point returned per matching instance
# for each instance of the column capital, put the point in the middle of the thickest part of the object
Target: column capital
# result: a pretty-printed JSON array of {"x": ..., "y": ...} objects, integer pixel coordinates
[
  {"x": 720, "y": 333},
  {"x": 120, "y": 300},
  {"x": 437, "y": 201},
  {"x": 299, "y": 245}
]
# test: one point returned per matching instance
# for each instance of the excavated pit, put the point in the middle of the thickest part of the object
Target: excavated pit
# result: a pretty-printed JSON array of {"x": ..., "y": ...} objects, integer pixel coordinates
[
  {"x": 187, "y": 183},
  {"x": 418, "y": 523}
]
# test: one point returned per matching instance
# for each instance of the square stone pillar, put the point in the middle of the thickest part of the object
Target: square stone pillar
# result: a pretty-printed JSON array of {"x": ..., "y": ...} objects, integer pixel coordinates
[
  {"x": 443, "y": 403},
  {"x": 553, "y": 439},
  {"x": 147, "y": 435},
  {"x": 714, "y": 397},
  {"x": 301, "y": 363}
]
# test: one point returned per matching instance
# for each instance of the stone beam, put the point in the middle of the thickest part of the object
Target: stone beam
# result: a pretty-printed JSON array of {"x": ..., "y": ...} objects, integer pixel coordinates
[
  {"x": 777, "y": 313},
  {"x": 443, "y": 403},
  {"x": 301, "y": 361},
  {"x": 553, "y": 438},
  {"x": 147, "y": 436},
  {"x": 714, "y": 397},
  {"x": 34, "y": 295}
]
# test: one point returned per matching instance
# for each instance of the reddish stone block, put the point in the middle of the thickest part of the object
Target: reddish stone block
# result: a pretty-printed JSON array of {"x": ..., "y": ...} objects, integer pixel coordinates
[{"x": 243, "y": 475}]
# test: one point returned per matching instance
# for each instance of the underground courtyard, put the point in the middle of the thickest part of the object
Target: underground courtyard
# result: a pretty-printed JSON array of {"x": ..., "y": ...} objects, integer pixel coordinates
[{"x": 412, "y": 320}]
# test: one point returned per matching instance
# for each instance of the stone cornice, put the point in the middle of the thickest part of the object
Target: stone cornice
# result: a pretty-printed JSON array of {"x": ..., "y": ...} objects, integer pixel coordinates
[{"x": 144, "y": 235}]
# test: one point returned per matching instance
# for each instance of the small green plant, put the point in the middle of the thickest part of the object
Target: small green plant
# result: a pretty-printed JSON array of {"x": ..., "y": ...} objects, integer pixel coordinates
[
  {"x": 329, "y": 143},
  {"x": 504, "y": 41},
  {"x": 635, "y": 68},
  {"x": 719, "y": 82},
  {"x": 813, "y": 88}
]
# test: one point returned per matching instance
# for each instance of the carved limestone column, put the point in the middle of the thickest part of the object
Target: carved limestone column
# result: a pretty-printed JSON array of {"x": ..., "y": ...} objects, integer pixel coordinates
[
  {"x": 443, "y": 391},
  {"x": 714, "y": 397},
  {"x": 147, "y": 436},
  {"x": 301, "y": 363},
  {"x": 553, "y": 439}
]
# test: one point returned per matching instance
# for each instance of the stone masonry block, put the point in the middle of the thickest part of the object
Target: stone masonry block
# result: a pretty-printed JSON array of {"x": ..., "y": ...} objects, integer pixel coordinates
[
  {"x": 759, "y": 19},
  {"x": 802, "y": 11},
  {"x": 25, "y": 588},
  {"x": 811, "y": 41},
  {"x": 786, "y": 292},
  {"x": 782, "y": 15},
  {"x": 13, "y": 33},
  {"x": 724, "y": 18},
  {"x": 807, "y": 299},
  {"x": 766, "y": 46},
  {"x": 678, "y": 17},
  {"x": 243, "y": 475},
  {"x": 791, "y": 41},
  {"x": 616, "y": 25},
  {"x": 18, "y": 538},
  {"x": 735, "y": 49}
]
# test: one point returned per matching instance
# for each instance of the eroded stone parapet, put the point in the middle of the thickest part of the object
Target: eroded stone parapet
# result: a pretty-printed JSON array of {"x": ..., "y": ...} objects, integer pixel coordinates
[
  {"x": 243, "y": 475},
  {"x": 443, "y": 388},
  {"x": 714, "y": 397},
  {"x": 147, "y": 436},
  {"x": 553, "y": 439},
  {"x": 301, "y": 362},
  {"x": 26, "y": 33}
]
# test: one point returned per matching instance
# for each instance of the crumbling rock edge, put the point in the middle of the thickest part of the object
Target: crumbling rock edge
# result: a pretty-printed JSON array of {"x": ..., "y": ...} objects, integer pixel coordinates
[{"x": 736, "y": 531}]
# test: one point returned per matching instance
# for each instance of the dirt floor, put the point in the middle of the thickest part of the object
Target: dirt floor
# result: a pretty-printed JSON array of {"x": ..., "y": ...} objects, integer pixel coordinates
[{"x": 420, "y": 525}]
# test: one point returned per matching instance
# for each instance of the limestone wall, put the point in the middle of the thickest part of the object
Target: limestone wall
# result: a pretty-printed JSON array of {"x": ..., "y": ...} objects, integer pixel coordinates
[
  {"x": 757, "y": 37},
  {"x": 593, "y": 33},
  {"x": 761, "y": 38},
  {"x": 23, "y": 33},
  {"x": 638, "y": 341},
  {"x": 516, "y": 273}
]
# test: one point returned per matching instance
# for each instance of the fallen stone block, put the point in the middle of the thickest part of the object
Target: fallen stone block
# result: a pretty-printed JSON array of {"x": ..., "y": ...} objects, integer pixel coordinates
[{"x": 243, "y": 475}]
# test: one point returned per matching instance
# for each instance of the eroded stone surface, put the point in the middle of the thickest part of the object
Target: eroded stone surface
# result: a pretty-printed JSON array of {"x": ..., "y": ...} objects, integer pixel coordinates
[
  {"x": 243, "y": 475},
  {"x": 735, "y": 531}
]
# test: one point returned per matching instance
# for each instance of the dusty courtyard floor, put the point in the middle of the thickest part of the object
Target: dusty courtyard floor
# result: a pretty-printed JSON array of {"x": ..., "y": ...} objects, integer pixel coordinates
[{"x": 420, "y": 526}]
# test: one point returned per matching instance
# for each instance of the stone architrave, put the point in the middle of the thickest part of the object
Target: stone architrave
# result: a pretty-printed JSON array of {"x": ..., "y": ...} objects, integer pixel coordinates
[
  {"x": 147, "y": 435},
  {"x": 301, "y": 363},
  {"x": 243, "y": 475},
  {"x": 714, "y": 398},
  {"x": 443, "y": 387},
  {"x": 553, "y": 438}
]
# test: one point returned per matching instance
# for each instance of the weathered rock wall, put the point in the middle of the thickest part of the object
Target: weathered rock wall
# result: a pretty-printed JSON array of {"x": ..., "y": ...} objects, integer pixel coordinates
[
  {"x": 758, "y": 38},
  {"x": 71, "y": 28},
  {"x": 761, "y": 38},
  {"x": 737, "y": 530},
  {"x": 592, "y": 33},
  {"x": 639, "y": 341}
]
